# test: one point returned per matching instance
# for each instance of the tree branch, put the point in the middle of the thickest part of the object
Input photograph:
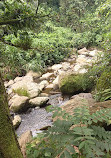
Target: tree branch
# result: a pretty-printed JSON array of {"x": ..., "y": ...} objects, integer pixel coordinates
[
  {"x": 13, "y": 21},
  {"x": 10, "y": 44}
]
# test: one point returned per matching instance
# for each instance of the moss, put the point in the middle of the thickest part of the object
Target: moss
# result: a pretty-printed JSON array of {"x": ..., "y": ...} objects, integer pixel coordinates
[
  {"x": 76, "y": 83},
  {"x": 9, "y": 147},
  {"x": 71, "y": 84},
  {"x": 21, "y": 92},
  {"x": 104, "y": 82}
]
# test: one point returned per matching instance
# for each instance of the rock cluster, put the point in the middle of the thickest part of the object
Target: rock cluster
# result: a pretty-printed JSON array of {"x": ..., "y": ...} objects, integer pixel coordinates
[{"x": 28, "y": 91}]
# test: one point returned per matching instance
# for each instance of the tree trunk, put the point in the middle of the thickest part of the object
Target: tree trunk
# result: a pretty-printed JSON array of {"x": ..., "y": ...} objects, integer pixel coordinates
[{"x": 9, "y": 147}]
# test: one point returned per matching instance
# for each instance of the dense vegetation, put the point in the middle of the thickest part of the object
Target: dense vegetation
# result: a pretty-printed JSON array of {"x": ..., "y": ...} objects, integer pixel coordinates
[
  {"x": 36, "y": 34},
  {"x": 43, "y": 35},
  {"x": 80, "y": 135}
]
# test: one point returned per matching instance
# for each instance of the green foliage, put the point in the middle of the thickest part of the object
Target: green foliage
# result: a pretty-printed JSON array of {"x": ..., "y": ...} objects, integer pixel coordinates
[
  {"x": 103, "y": 95},
  {"x": 104, "y": 82},
  {"x": 98, "y": 77},
  {"x": 84, "y": 23},
  {"x": 84, "y": 39},
  {"x": 103, "y": 86},
  {"x": 76, "y": 135},
  {"x": 35, "y": 51},
  {"x": 21, "y": 92},
  {"x": 12, "y": 62},
  {"x": 23, "y": 40},
  {"x": 90, "y": 20}
]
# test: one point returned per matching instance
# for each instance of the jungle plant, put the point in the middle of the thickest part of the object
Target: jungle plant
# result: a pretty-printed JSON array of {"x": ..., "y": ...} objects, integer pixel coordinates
[{"x": 80, "y": 135}]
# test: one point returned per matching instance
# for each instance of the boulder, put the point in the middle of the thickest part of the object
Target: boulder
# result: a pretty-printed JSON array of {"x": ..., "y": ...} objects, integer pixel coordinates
[
  {"x": 82, "y": 60},
  {"x": 33, "y": 89},
  {"x": 8, "y": 84},
  {"x": 56, "y": 67},
  {"x": 23, "y": 140},
  {"x": 45, "y": 83},
  {"x": 38, "y": 101},
  {"x": 82, "y": 99},
  {"x": 46, "y": 76},
  {"x": 93, "y": 53},
  {"x": 84, "y": 95},
  {"x": 19, "y": 103},
  {"x": 18, "y": 79},
  {"x": 56, "y": 83},
  {"x": 60, "y": 72},
  {"x": 16, "y": 121},
  {"x": 66, "y": 66},
  {"x": 83, "y": 51},
  {"x": 50, "y": 86},
  {"x": 34, "y": 75},
  {"x": 77, "y": 67},
  {"x": 70, "y": 83}
]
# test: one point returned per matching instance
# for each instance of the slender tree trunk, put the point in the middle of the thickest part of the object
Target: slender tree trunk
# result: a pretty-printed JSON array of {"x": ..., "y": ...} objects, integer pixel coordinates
[{"x": 9, "y": 147}]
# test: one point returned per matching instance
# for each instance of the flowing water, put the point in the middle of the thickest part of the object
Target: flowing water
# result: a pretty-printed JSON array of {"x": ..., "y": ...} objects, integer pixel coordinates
[{"x": 37, "y": 118}]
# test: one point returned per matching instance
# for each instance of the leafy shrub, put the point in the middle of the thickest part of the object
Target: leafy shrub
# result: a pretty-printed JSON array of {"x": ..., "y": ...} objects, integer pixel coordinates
[
  {"x": 21, "y": 92},
  {"x": 83, "y": 39},
  {"x": 24, "y": 40},
  {"x": 75, "y": 136},
  {"x": 12, "y": 62}
]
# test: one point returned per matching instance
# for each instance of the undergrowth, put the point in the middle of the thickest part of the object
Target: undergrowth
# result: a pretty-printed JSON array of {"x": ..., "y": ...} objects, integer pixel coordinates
[{"x": 80, "y": 135}]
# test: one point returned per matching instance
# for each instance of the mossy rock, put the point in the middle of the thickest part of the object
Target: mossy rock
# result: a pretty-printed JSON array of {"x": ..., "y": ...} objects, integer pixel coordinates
[
  {"x": 104, "y": 82},
  {"x": 71, "y": 83}
]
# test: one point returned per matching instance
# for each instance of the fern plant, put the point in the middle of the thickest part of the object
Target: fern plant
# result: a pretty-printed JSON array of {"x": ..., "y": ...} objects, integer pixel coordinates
[
  {"x": 75, "y": 136},
  {"x": 103, "y": 95}
]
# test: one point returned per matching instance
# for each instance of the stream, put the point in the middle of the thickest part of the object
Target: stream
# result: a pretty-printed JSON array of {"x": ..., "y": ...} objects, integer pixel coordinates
[{"x": 37, "y": 118}]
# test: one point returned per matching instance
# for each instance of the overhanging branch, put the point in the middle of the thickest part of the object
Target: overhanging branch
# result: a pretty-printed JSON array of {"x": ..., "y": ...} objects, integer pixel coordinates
[{"x": 13, "y": 21}]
